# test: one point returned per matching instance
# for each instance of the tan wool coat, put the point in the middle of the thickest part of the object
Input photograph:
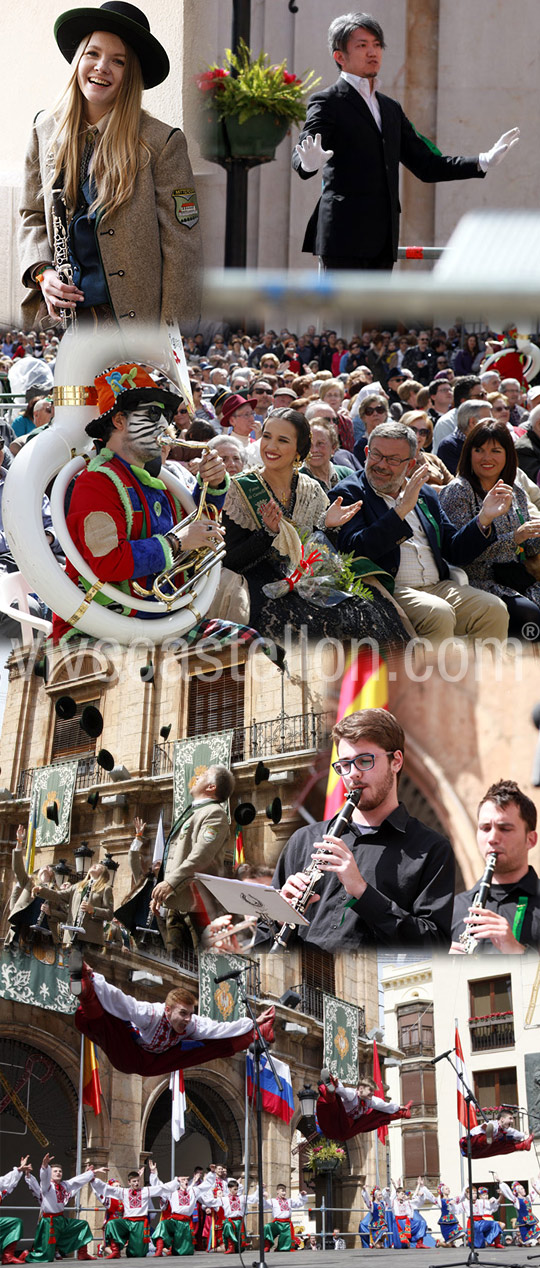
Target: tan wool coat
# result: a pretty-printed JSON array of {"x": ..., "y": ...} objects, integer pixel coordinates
[
  {"x": 199, "y": 847},
  {"x": 151, "y": 257}
]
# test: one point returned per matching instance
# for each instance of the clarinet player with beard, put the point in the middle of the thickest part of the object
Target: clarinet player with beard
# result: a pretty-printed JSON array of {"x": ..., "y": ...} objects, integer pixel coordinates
[{"x": 389, "y": 880}]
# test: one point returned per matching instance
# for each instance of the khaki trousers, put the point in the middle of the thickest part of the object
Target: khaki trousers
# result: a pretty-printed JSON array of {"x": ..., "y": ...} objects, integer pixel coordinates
[{"x": 439, "y": 611}]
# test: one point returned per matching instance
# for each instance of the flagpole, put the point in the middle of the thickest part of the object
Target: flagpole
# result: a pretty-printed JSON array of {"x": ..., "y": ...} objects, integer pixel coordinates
[
  {"x": 461, "y": 1175},
  {"x": 78, "y": 1167}
]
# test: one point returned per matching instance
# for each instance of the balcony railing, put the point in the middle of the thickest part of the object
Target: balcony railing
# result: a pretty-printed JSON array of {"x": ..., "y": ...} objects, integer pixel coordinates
[
  {"x": 417, "y": 1047},
  {"x": 303, "y": 732},
  {"x": 88, "y": 773},
  {"x": 495, "y": 1030},
  {"x": 312, "y": 1003}
]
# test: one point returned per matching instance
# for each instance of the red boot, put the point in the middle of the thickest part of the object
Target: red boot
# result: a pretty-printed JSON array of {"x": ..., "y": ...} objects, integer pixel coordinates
[
  {"x": 113, "y": 1251},
  {"x": 8, "y": 1256},
  {"x": 159, "y": 1247},
  {"x": 86, "y": 994},
  {"x": 230, "y": 1250},
  {"x": 83, "y": 1253}
]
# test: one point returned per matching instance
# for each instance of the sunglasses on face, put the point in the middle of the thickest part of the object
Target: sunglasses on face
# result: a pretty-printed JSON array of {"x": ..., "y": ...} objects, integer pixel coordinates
[
  {"x": 420, "y": 431},
  {"x": 363, "y": 761},
  {"x": 157, "y": 412},
  {"x": 375, "y": 409}
]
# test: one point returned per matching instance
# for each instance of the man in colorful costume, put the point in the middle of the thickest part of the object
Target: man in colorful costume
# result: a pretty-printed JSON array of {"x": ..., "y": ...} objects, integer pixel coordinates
[
  {"x": 343, "y": 1112},
  {"x": 58, "y": 1235},
  {"x": 496, "y": 1136},
  {"x": 281, "y": 1225},
  {"x": 132, "y": 1227},
  {"x": 11, "y": 1226},
  {"x": 121, "y": 516},
  {"x": 234, "y": 1231},
  {"x": 144, "y": 1038}
]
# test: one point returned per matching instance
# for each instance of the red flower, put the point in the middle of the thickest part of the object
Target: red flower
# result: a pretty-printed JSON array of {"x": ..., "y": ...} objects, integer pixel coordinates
[
  {"x": 211, "y": 78},
  {"x": 290, "y": 79}
]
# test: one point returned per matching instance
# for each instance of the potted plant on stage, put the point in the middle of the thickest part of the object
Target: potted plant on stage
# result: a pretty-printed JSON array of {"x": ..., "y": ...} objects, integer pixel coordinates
[{"x": 248, "y": 106}]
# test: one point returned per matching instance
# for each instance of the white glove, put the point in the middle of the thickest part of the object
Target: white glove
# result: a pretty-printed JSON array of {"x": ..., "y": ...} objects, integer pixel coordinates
[
  {"x": 311, "y": 153},
  {"x": 499, "y": 150}
]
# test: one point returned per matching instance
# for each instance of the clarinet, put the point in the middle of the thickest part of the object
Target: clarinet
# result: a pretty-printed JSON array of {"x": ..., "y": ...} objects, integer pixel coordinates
[
  {"x": 313, "y": 869},
  {"x": 74, "y": 930},
  {"x": 467, "y": 939},
  {"x": 62, "y": 262},
  {"x": 146, "y": 929}
]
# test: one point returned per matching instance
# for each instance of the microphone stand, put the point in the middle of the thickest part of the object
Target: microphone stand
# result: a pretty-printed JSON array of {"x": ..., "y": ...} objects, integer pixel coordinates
[
  {"x": 470, "y": 1099},
  {"x": 258, "y": 1048}
]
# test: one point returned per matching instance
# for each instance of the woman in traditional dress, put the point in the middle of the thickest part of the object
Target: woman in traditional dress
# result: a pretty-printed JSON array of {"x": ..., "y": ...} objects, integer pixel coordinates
[{"x": 265, "y": 512}]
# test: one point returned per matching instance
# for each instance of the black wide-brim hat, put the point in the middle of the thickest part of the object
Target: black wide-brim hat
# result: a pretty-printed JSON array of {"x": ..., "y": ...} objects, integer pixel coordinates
[{"x": 122, "y": 19}]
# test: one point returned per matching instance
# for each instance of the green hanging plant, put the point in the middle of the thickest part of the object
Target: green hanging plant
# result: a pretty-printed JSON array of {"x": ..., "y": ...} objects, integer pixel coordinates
[{"x": 255, "y": 87}]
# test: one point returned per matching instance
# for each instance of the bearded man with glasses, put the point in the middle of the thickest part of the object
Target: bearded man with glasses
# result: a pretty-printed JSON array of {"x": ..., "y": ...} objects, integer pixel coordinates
[
  {"x": 388, "y": 880},
  {"x": 402, "y": 527}
]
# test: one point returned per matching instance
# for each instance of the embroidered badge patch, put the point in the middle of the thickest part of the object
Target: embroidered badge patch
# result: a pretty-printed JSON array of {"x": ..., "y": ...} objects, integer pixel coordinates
[
  {"x": 209, "y": 834},
  {"x": 186, "y": 207}
]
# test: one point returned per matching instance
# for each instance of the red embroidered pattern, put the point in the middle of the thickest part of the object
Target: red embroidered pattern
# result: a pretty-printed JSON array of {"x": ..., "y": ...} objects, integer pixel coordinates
[{"x": 162, "y": 1039}]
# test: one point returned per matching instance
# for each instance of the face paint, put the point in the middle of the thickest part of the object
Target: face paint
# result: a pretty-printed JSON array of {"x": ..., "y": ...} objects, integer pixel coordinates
[{"x": 144, "y": 425}]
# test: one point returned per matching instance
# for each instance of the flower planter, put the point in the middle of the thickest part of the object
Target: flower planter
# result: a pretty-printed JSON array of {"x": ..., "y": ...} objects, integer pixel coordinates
[{"x": 252, "y": 142}]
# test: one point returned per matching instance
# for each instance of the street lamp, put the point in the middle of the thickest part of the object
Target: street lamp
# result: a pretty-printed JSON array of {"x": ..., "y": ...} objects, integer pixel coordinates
[{"x": 83, "y": 856}]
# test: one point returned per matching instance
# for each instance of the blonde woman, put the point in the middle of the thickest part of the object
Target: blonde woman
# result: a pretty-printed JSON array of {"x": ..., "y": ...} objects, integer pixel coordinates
[
  {"x": 109, "y": 219},
  {"x": 89, "y": 903}
]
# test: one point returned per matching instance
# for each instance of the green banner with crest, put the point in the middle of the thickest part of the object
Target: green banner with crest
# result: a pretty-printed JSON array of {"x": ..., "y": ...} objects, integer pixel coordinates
[{"x": 341, "y": 1039}]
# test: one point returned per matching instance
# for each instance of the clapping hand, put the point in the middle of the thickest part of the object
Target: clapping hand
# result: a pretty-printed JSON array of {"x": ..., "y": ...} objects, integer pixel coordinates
[
  {"x": 497, "y": 502},
  {"x": 409, "y": 494},
  {"x": 337, "y": 514},
  {"x": 531, "y": 528},
  {"x": 271, "y": 515}
]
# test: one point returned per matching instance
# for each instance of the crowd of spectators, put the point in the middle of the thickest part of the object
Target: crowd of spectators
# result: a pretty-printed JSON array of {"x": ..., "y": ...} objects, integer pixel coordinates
[{"x": 334, "y": 392}]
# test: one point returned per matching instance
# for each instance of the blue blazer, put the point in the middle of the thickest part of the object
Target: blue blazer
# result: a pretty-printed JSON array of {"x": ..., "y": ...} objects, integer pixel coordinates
[{"x": 376, "y": 531}]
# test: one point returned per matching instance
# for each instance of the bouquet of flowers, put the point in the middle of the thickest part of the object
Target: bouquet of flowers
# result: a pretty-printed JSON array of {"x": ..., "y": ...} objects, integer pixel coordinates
[{"x": 323, "y": 576}]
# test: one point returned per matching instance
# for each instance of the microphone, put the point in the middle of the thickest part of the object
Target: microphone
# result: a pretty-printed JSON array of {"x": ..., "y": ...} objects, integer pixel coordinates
[
  {"x": 434, "y": 1060},
  {"x": 226, "y": 977}
]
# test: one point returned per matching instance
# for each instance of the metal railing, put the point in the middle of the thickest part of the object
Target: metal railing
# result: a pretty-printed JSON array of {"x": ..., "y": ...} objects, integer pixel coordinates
[
  {"x": 88, "y": 773},
  {"x": 303, "y": 732},
  {"x": 420, "y": 1048},
  {"x": 496, "y": 1030},
  {"x": 312, "y": 1003}
]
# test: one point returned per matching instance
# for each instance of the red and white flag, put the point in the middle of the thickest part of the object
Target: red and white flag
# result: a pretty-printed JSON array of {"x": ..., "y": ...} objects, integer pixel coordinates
[
  {"x": 461, "y": 1104},
  {"x": 178, "y": 1116},
  {"x": 382, "y": 1132}
]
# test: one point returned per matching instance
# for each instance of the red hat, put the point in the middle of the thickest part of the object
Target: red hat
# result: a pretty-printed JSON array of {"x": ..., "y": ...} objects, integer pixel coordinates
[
  {"x": 234, "y": 402},
  {"x": 123, "y": 386}
]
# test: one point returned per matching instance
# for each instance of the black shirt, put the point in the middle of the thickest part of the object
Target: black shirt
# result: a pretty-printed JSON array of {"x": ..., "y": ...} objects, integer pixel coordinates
[
  {"x": 409, "y": 870},
  {"x": 504, "y": 900}
]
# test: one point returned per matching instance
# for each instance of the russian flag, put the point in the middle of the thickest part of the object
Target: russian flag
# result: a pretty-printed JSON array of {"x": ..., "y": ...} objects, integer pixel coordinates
[{"x": 273, "y": 1101}]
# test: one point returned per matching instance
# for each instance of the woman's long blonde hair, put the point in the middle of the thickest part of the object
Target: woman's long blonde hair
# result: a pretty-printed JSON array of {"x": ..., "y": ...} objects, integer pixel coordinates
[
  {"x": 120, "y": 150},
  {"x": 103, "y": 880}
]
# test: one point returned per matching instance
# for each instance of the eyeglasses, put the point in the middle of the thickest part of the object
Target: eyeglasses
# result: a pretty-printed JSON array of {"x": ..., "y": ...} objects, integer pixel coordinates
[
  {"x": 262, "y": 391},
  {"x": 420, "y": 431},
  {"x": 375, "y": 409},
  {"x": 375, "y": 456},
  {"x": 363, "y": 761}
]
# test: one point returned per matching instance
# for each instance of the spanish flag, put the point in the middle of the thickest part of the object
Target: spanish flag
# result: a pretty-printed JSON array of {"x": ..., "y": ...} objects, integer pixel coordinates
[
  {"x": 91, "y": 1085},
  {"x": 364, "y": 686},
  {"x": 239, "y": 856},
  {"x": 31, "y": 838}
]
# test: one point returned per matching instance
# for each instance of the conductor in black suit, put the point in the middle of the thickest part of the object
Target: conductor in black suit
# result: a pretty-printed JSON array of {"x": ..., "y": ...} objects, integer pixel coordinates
[{"x": 359, "y": 137}]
